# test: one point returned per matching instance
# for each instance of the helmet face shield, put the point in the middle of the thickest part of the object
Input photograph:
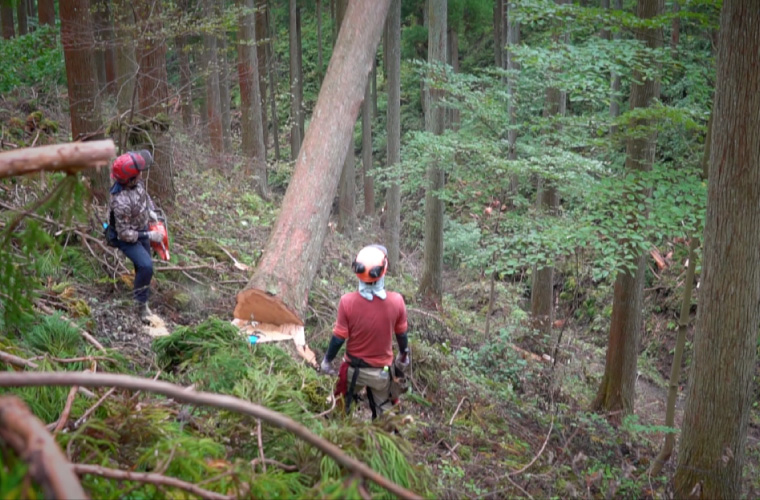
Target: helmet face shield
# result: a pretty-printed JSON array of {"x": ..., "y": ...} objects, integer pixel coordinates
[{"x": 371, "y": 263}]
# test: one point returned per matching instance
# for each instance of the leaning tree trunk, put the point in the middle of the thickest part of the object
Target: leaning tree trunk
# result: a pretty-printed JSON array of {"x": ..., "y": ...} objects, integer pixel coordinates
[
  {"x": 6, "y": 19},
  {"x": 347, "y": 185},
  {"x": 78, "y": 43},
  {"x": 720, "y": 391},
  {"x": 278, "y": 291},
  {"x": 431, "y": 283},
  {"x": 152, "y": 95},
  {"x": 617, "y": 389},
  {"x": 392, "y": 56},
  {"x": 46, "y": 12},
  {"x": 295, "y": 104},
  {"x": 250, "y": 101}
]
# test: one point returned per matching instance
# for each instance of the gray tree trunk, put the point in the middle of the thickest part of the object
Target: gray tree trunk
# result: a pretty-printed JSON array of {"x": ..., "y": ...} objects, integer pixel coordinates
[
  {"x": 617, "y": 389},
  {"x": 126, "y": 62},
  {"x": 295, "y": 103},
  {"x": 250, "y": 102},
  {"x": 272, "y": 84},
  {"x": 369, "y": 186},
  {"x": 615, "y": 83},
  {"x": 720, "y": 391},
  {"x": 431, "y": 283},
  {"x": 263, "y": 41},
  {"x": 213, "y": 99},
  {"x": 224, "y": 91},
  {"x": 513, "y": 39},
  {"x": 392, "y": 58}
]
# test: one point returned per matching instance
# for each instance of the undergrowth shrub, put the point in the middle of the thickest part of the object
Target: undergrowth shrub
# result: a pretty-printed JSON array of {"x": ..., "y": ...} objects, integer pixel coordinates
[
  {"x": 56, "y": 336},
  {"x": 32, "y": 60}
]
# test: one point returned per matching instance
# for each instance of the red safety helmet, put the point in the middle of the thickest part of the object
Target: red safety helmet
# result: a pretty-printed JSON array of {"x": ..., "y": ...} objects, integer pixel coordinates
[
  {"x": 129, "y": 165},
  {"x": 370, "y": 263}
]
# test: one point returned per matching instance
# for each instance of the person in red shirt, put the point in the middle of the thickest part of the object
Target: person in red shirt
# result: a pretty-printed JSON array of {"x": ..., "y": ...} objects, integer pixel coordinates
[{"x": 368, "y": 319}]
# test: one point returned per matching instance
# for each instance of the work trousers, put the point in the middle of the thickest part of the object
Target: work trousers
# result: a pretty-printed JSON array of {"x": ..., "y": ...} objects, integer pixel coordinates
[
  {"x": 139, "y": 253},
  {"x": 379, "y": 381}
]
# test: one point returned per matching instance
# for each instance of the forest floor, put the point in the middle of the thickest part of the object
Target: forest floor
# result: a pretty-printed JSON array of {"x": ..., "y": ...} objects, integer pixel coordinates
[{"x": 489, "y": 420}]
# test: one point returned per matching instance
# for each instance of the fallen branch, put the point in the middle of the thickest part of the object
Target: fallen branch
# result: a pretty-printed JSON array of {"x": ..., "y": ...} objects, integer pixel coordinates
[
  {"x": 69, "y": 157},
  {"x": 92, "y": 408},
  {"x": 543, "y": 447},
  {"x": 285, "y": 467},
  {"x": 185, "y": 268},
  {"x": 150, "y": 478},
  {"x": 459, "y": 406},
  {"x": 25, "y": 363},
  {"x": 66, "y": 410},
  {"x": 178, "y": 393},
  {"x": 29, "y": 438}
]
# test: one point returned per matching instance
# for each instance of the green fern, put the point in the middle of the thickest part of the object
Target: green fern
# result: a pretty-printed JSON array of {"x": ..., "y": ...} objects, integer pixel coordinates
[{"x": 56, "y": 336}]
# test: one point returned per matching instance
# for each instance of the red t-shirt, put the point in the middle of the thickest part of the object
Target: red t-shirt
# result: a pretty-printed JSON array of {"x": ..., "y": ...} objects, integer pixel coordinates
[{"x": 368, "y": 326}]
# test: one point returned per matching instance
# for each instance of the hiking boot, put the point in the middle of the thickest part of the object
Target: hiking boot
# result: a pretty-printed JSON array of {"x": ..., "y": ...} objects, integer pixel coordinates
[{"x": 143, "y": 312}]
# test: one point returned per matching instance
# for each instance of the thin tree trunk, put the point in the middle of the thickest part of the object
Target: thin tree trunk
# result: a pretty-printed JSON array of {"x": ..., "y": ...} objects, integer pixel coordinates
[
  {"x": 498, "y": 38},
  {"x": 347, "y": 185},
  {"x": 213, "y": 99},
  {"x": 719, "y": 397},
  {"x": 292, "y": 254},
  {"x": 78, "y": 42},
  {"x": 513, "y": 39},
  {"x": 617, "y": 389},
  {"x": 392, "y": 58},
  {"x": 295, "y": 104},
  {"x": 369, "y": 186},
  {"x": 263, "y": 42},
  {"x": 153, "y": 94},
  {"x": 46, "y": 12},
  {"x": 224, "y": 91},
  {"x": 126, "y": 61},
  {"x": 21, "y": 14},
  {"x": 319, "y": 39},
  {"x": 299, "y": 100},
  {"x": 431, "y": 283},
  {"x": 675, "y": 33},
  {"x": 182, "y": 47},
  {"x": 250, "y": 102},
  {"x": 271, "y": 71},
  {"x": 6, "y": 19},
  {"x": 615, "y": 84},
  {"x": 201, "y": 61},
  {"x": 453, "y": 55}
]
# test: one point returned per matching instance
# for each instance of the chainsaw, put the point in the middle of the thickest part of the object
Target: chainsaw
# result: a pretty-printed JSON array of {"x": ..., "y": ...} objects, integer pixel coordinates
[{"x": 160, "y": 247}]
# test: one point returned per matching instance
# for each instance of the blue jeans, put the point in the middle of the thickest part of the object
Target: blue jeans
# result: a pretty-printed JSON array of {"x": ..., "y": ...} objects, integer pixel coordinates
[{"x": 139, "y": 254}]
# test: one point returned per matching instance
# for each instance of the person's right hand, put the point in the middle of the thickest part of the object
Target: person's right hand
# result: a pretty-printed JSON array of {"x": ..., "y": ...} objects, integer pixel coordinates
[{"x": 155, "y": 236}]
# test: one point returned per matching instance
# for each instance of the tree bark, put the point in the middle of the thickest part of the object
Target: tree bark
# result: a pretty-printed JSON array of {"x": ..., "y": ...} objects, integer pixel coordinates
[
  {"x": 295, "y": 103},
  {"x": 271, "y": 72},
  {"x": 617, "y": 389},
  {"x": 182, "y": 47},
  {"x": 319, "y": 39},
  {"x": 369, "y": 185},
  {"x": 675, "y": 32},
  {"x": 30, "y": 439},
  {"x": 392, "y": 57},
  {"x": 615, "y": 84},
  {"x": 21, "y": 14},
  {"x": 46, "y": 12},
  {"x": 152, "y": 94},
  {"x": 99, "y": 21},
  {"x": 6, "y": 19},
  {"x": 224, "y": 90},
  {"x": 213, "y": 99},
  {"x": 291, "y": 256},
  {"x": 263, "y": 41},
  {"x": 126, "y": 62},
  {"x": 250, "y": 101},
  {"x": 453, "y": 61},
  {"x": 67, "y": 158},
  {"x": 299, "y": 46},
  {"x": 431, "y": 283},
  {"x": 498, "y": 38},
  {"x": 513, "y": 39},
  {"x": 347, "y": 185},
  {"x": 719, "y": 397},
  {"x": 84, "y": 107}
]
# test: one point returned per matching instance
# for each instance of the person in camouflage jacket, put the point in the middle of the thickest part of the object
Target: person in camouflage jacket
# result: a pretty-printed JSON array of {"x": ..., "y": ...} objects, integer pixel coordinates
[{"x": 132, "y": 210}]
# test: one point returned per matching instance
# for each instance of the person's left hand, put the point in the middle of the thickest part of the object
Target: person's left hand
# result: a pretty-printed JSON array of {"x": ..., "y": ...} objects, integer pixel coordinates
[
  {"x": 402, "y": 360},
  {"x": 327, "y": 368}
]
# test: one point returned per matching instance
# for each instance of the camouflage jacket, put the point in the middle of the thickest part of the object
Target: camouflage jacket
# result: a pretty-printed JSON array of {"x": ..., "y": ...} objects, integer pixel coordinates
[{"x": 131, "y": 208}]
